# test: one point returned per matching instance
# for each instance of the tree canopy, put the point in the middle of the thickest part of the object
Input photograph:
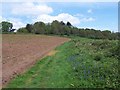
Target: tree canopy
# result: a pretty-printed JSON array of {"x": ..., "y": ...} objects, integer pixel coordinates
[{"x": 6, "y": 26}]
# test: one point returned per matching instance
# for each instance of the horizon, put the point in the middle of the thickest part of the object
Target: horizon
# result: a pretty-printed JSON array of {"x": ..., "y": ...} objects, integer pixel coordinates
[{"x": 96, "y": 15}]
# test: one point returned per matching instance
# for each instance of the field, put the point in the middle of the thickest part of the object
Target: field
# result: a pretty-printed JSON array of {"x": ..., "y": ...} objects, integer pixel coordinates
[
  {"x": 79, "y": 63},
  {"x": 19, "y": 52}
]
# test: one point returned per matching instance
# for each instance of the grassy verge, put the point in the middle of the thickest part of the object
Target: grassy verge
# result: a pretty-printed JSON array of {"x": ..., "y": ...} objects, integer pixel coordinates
[{"x": 79, "y": 63}]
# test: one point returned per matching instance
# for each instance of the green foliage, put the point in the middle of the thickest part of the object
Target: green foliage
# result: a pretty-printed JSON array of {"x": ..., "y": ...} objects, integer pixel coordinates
[
  {"x": 6, "y": 26},
  {"x": 115, "y": 51},
  {"x": 39, "y": 28},
  {"x": 29, "y": 27},
  {"x": 22, "y": 30},
  {"x": 97, "y": 57},
  {"x": 102, "y": 44}
]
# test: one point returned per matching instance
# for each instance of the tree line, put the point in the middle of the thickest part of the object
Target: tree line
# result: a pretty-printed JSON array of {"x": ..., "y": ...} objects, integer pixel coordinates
[{"x": 61, "y": 28}]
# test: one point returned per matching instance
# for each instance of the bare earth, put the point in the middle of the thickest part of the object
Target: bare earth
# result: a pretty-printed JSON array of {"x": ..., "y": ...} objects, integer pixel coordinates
[{"x": 20, "y": 52}]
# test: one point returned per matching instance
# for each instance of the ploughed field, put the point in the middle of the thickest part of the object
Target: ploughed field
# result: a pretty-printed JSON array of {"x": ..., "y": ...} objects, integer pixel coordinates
[{"x": 19, "y": 52}]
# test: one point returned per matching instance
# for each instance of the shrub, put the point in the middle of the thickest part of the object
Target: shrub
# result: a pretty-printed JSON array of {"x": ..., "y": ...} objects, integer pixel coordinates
[
  {"x": 22, "y": 30},
  {"x": 97, "y": 57},
  {"x": 115, "y": 51}
]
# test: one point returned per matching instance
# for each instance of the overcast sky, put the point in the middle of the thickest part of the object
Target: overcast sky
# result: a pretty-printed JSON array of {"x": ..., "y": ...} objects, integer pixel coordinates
[{"x": 96, "y": 15}]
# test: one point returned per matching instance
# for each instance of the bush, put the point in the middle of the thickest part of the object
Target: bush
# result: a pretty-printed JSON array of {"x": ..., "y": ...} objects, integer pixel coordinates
[
  {"x": 97, "y": 57},
  {"x": 102, "y": 44},
  {"x": 22, "y": 30},
  {"x": 115, "y": 52}
]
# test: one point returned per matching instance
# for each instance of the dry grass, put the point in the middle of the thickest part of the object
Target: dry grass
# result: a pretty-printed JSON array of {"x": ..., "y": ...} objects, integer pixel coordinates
[{"x": 51, "y": 53}]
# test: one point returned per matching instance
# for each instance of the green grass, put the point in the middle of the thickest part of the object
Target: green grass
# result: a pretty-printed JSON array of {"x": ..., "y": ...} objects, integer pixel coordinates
[{"x": 79, "y": 63}]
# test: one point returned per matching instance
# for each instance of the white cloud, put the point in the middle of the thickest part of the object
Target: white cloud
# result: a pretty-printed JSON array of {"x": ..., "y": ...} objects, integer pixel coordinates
[
  {"x": 60, "y": 17},
  {"x": 90, "y": 11},
  {"x": 65, "y": 17},
  {"x": 30, "y": 8},
  {"x": 17, "y": 23}
]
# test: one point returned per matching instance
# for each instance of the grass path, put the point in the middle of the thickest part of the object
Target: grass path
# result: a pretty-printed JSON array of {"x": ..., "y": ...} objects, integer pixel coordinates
[{"x": 46, "y": 73}]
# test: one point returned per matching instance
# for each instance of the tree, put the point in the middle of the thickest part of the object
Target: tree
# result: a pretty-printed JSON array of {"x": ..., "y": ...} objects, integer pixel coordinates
[
  {"x": 29, "y": 27},
  {"x": 62, "y": 23},
  {"x": 55, "y": 27},
  {"x": 39, "y": 28},
  {"x": 6, "y": 26},
  {"x": 107, "y": 34},
  {"x": 69, "y": 24},
  {"x": 48, "y": 29}
]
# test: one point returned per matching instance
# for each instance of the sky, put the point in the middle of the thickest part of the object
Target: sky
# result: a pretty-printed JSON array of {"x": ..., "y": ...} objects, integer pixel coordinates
[{"x": 97, "y": 15}]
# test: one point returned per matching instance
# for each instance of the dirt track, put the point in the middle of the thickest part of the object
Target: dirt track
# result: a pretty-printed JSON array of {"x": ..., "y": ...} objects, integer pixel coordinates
[{"x": 20, "y": 52}]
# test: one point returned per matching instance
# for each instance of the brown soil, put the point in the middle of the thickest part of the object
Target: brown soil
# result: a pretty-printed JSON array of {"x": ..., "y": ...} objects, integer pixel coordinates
[{"x": 20, "y": 52}]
